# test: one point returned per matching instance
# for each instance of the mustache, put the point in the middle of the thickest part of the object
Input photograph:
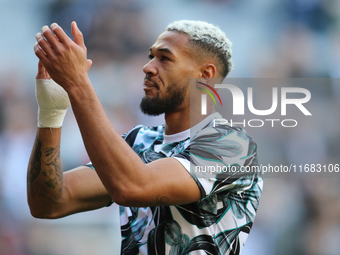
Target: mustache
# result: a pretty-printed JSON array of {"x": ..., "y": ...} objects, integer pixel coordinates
[{"x": 147, "y": 78}]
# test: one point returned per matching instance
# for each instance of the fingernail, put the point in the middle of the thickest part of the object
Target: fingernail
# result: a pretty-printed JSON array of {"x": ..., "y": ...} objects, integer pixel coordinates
[
  {"x": 38, "y": 36},
  {"x": 44, "y": 28},
  {"x": 76, "y": 24},
  {"x": 54, "y": 26},
  {"x": 36, "y": 47}
]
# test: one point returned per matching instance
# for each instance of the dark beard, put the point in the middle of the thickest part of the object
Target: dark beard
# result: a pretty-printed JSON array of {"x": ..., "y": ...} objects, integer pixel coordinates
[{"x": 156, "y": 105}]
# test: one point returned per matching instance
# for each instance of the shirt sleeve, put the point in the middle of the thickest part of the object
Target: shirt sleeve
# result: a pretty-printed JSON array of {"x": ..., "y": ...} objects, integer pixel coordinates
[{"x": 218, "y": 158}]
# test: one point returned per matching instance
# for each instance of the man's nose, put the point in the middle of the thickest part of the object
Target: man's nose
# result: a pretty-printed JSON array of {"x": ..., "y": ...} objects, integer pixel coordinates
[{"x": 150, "y": 68}]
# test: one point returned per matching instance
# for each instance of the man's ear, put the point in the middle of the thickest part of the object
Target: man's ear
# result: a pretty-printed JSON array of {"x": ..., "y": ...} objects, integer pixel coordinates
[{"x": 209, "y": 71}]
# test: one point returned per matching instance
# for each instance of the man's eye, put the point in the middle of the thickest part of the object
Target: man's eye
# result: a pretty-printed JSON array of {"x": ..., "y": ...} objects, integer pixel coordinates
[{"x": 165, "y": 58}]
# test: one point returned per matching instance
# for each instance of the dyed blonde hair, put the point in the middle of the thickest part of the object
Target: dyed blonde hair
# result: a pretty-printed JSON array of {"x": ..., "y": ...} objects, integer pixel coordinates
[{"x": 208, "y": 39}]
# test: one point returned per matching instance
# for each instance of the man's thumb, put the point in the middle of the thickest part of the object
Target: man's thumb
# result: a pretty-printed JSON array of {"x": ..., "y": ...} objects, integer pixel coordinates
[
  {"x": 89, "y": 64},
  {"x": 77, "y": 35}
]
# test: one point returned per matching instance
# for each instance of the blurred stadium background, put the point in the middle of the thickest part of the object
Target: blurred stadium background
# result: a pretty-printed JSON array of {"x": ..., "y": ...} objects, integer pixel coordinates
[{"x": 271, "y": 39}]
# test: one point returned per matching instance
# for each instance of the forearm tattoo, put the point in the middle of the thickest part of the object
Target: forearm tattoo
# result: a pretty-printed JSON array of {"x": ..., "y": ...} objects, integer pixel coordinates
[
  {"x": 53, "y": 160},
  {"x": 48, "y": 160},
  {"x": 35, "y": 161},
  {"x": 161, "y": 201}
]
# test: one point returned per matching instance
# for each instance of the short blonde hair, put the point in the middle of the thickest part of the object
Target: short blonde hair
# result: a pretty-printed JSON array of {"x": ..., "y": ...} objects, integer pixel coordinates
[{"x": 208, "y": 38}]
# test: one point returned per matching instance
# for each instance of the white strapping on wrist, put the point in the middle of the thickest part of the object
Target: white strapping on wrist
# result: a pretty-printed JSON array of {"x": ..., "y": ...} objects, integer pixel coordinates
[{"x": 53, "y": 102}]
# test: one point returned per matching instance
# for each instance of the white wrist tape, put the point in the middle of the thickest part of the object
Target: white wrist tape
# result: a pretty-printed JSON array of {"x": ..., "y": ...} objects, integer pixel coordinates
[{"x": 53, "y": 102}]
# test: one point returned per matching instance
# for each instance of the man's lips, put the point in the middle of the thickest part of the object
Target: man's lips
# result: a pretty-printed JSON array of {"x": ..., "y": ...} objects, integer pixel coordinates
[{"x": 149, "y": 84}]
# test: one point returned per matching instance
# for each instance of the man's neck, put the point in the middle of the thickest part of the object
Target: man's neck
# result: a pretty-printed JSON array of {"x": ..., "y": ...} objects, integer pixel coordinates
[{"x": 179, "y": 121}]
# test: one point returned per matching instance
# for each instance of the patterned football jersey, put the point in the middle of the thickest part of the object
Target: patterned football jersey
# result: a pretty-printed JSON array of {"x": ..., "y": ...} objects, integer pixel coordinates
[{"x": 215, "y": 155}]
